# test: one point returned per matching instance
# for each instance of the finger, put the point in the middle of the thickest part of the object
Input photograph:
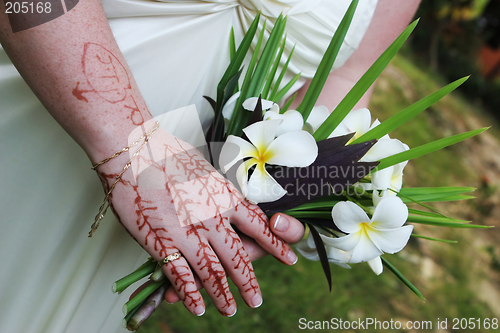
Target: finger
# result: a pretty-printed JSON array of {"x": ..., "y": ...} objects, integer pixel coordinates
[
  {"x": 238, "y": 265},
  {"x": 171, "y": 295},
  {"x": 209, "y": 269},
  {"x": 287, "y": 228},
  {"x": 250, "y": 220},
  {"x": 182, "y": 278}
]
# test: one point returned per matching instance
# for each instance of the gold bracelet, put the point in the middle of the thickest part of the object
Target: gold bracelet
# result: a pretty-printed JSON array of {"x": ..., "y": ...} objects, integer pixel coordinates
[{"x": 105, "y": 205}]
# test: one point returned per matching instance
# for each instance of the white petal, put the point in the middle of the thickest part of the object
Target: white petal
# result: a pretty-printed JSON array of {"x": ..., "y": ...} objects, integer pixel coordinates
[
  {"x": 228, "y": 109},
  {"x": 337, "y": 256},
  {"x": 262, "y": 133},
  {"x": 306, "y": 251},
  {"x": 318, "y": 116},
  {"x": 376, "y": 265},
  {"x": 293, "y": 149},
  {"x": 346, "y": 243},
  {"x": 381, "y": 180},
  {"x": 251, "y": 103},
  {"x": 358, "y": 121},
  {"x": 340, "y": 130},
  {"x": 235, "y": 149},
  {"x": 365, "y": 250},
  {"x": 310, "y": 240},
  {"x": 242, "y": 175},
  {"x": 347, "y": 216},
  {"x": 292, "y": 121},
  {"x": 390, "y": 213},
  {"x": 262, "y": 187},
  {"x": 378, "y": 196},
  {"x": 384, "y": 148},
  {"x": 391, "y": 240},
  {"x": 376, "y": 122}
]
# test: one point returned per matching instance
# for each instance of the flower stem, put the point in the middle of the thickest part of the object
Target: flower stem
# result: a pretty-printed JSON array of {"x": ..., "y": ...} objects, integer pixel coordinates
[
  {"x": 141, "y": 296},
  {"x": 146, "y": 309},
  {"x": 158, "y": 275},
  {"x": 122, "y": 284}
]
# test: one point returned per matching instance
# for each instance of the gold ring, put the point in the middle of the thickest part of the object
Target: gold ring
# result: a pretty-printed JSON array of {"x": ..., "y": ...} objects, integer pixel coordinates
[{"x": 171, "y": 257}]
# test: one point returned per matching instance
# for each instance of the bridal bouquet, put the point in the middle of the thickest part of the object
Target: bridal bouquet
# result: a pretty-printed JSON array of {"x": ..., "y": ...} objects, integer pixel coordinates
[{"x": 337, "y": 172}]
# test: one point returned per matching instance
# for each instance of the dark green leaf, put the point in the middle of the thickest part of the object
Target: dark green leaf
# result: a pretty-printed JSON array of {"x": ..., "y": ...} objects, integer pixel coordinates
[{"x": 323, "y": 257}]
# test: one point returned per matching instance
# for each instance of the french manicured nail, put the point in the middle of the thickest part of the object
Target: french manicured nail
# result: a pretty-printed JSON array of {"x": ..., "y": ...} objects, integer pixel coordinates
[
  {"x": 292, "y": 257},
  {"x": 281, "y": 224},
  {"x": 257, "y": 300},
  {"x": 199, "y": 311},
  {"x": 231, "y": 311}
]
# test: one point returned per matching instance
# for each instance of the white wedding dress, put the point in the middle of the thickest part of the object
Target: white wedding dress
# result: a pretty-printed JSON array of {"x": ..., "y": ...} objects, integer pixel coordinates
[{"x": 53, "y": 278}]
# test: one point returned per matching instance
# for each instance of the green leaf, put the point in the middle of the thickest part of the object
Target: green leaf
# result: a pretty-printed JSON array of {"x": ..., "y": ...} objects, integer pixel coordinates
[
  {"x": 434, "y": 219},
  {"x": 435, "y": 239},
  {"x": 232, "y": 44},
  {"x": 415, "y": 219},
  {"x": 316, "y": 214},
  {"x": 362, "y": 86},
  {"x": 274, "y": 69},
  {"x": 286, "y": 88},
  {"x": 426, "y": 149},
  {"x": 323, "y": 257},
  {"x": 326, "y": 64},
  {"x": 429, "y": 198},
  {"x": 277, "y": 84},
  {"x": 236, "y": 62},
  {"x": 423, "y": 213},
  {"x": 267, "y": 57},
  {"x": 237, "y": 120},
  {"x": 408, "y": 113},
  {"x": 288, "y": 103},
  {"x": 445, "y": 190},
  {"x": 402, "y": 278}
]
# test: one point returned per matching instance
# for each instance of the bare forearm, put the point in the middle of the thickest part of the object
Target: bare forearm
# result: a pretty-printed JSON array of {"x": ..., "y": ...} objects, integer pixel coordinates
[
  {"x": 390, "y": 18},
  {"x": 76, "y": 69}
]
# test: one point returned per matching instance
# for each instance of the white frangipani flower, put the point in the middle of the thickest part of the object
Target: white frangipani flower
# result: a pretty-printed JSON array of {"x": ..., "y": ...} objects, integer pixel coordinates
[
  {"x": 228, "y": 108},
  {"x": 249, "y": 104},
  {"x": 367, "y": 238},
  {"x": 307, "y": 248},
  {"x": 291, "y": 149},
  {"x": 317, "y": 116},
  {"x": 359, "y": 122},
  {"x": 389, "y": 180},
  {"x": 291, "y": 120}
]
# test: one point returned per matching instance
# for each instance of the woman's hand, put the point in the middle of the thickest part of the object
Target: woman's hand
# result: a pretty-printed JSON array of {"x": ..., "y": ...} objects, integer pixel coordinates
[{"x": 172, "y": 200}]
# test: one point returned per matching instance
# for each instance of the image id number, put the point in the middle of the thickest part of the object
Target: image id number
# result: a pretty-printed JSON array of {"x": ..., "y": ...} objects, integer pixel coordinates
[
  {"x": 26, "y": 7},
  {"x": 472, "y": 323}
]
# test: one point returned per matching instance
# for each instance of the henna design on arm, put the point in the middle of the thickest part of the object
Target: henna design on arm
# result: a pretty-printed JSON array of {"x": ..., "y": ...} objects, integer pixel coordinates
[{"x": 106, "y": 77}]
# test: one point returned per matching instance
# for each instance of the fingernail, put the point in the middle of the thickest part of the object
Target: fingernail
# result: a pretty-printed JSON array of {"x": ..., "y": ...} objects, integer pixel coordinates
[
  {"x": 257, "y": 300},
  {"x": 281, "y": 224},
  {"x": 292, "y": 257},
  {"x": 231, "y": 311},
  {"x": 199, "y": 311}
]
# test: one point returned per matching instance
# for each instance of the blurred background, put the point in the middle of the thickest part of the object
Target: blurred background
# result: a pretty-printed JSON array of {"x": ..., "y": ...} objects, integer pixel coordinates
[{"x": 454, "y": 38}]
